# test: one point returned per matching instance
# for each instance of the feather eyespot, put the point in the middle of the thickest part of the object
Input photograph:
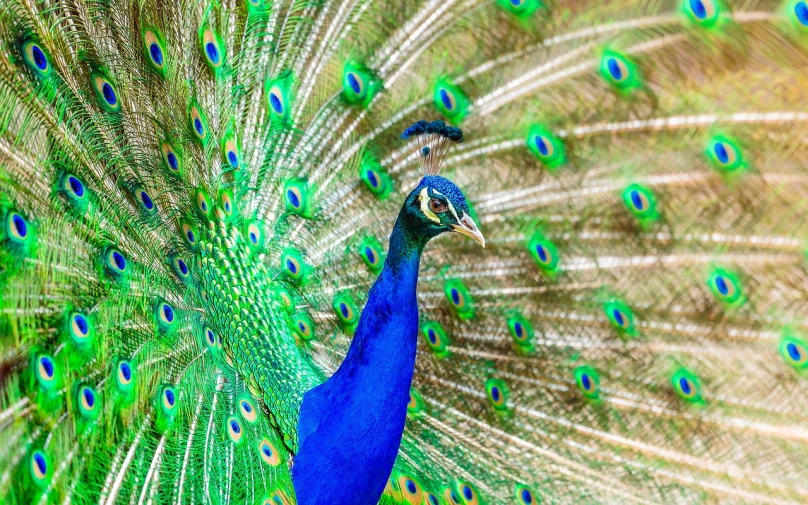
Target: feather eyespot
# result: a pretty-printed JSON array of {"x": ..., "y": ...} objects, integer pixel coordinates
[
  {"x": 794, "y": 352},
  {"x": 410, "y": 490},
  {"x": 703, "y": 12},
  {"x": 296, "y": 195},
  {"x": 415, "y": 404},
  {"x": 36, "y": 58},
  {"x": 45, "y": 371},
  {"x": 180, "y": 267},
  {"x": 226, "y": 202},
  {"x": 620, "y": 319},
  {"x": 105, "y": 92},
  {"x": 88, "y": 401},
  {"x": 166, "y": 313},
  {"x": 17, "y": 228},
  {"x": 124, "y": 374},
  {"x": 39, "y": 465},
  {"x": 355, "y": 82},
  {"x": 521, "y": 331},
  {"x": 231, "y": 152},
  {"x": 371, "y": 255},
  {"x": 373, "y": 178},
  {"x": 359, "y": 85},
  {"x": 450, "y": 100},
  {"x": 234, "y": 430},
  {"x": 154, "y": 50},
  {"x": 189, "y": 234},
  {"x": 617, "y": 69},
  {"x": 801, "y": 13},
  {"x": 73, "y": 188},
  {"x": 276, "y": 100},
  {"x": 447, "y": 99},
  {"x": 210, "y": 337},
  {"x": 345, "y": 311},
  {"x": 254, "y": 235},
  {"x": 170, "y": 158},
  {"x": 145, "y": 201},
  {"x": 588, "y": 381},
  {"x": 457, "y": 298},
  {"x": 639, "y": 200},
  {"x": 524, "y": 495},
  {"x": 620, "y": 316},
  {"x": 79, "y": 327},
  {"x": 115, "y": 262},
  {"x": 166, "y": 316},
  {"x": 202, "y": 202},
  {"x": 724, "y": 154},
  {"x": 212, "y": 49},
  {"x": 451, "y": 496},
  {"x": 285, "y": 297},
  {"x": 687, "y": 386},
  {"x": 498, "y": 393},
  {"x": 435, "y": 338},
  {"x": 247, "y": 410},
  {"x": 293, "y": 266},
  {"x": 303, "y": 328},
  {"x": 293, "y": 197},
  {"x": 725, "y": 286},
  {"x": 544, "y": 146},
  {"x": 466, "y": 494},
  {"x": 268, "y": 453},
  {"x": 587, "y": 384},
  {"x": 168, "y": 398},
  {"x": 544, "y": 254},
  {"x": 198, "y": 123}
]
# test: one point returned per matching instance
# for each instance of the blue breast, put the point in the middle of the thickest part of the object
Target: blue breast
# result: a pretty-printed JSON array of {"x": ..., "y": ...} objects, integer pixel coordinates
[{"x": 350, "y": 427}]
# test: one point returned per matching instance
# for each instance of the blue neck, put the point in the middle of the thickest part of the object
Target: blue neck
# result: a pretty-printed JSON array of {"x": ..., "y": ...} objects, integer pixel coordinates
[
  {"x": 374, "y": 352},
  {"x": 350, "y": 427}
]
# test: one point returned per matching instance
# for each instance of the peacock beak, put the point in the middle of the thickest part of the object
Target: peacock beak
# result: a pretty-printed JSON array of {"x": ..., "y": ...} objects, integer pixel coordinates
[{"x": 467, "y": 227}]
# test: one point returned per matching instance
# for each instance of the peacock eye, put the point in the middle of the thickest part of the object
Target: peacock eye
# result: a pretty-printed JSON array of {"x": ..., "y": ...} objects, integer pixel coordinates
[{"x": 437, "y": 206}]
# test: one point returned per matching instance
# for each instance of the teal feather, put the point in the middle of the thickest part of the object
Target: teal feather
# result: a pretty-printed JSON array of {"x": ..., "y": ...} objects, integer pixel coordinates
[{"x": 195, "y": 198}]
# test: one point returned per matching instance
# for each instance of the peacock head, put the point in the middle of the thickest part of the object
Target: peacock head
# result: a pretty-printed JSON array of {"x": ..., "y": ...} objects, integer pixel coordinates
[{"x": 437, "y": 205}]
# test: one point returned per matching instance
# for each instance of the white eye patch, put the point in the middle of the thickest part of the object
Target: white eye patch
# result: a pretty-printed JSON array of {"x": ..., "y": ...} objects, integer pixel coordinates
[
  {"x": 423, "y": 198},
  {"x": 453, "y": 211}
]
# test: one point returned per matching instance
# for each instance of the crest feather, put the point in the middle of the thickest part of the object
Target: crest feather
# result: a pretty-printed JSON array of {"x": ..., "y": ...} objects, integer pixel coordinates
[{"x": 433, "y": 140}]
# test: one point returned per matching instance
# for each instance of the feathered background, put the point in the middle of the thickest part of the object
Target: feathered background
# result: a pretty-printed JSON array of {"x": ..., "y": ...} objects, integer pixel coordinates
[{"x": 634, "y": 331}]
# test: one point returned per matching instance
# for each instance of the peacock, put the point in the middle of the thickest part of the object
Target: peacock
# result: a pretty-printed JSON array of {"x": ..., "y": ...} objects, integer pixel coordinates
[{"x": 426, "y": 252}]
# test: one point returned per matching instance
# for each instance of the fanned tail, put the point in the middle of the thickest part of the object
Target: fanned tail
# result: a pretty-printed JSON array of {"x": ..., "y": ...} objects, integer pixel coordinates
[{"x": 196, "y": 199}]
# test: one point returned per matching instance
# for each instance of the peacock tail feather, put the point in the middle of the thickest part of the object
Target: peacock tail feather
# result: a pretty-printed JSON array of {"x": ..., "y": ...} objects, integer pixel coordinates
[{"x": 196, "y": 197}]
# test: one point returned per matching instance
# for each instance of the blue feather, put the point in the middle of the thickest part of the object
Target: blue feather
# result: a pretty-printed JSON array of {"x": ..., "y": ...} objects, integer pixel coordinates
[{"x": 350, "y": 427}]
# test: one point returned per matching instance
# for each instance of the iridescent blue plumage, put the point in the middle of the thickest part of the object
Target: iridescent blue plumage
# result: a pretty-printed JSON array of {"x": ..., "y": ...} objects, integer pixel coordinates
[{"x": 350, "y": 427}]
